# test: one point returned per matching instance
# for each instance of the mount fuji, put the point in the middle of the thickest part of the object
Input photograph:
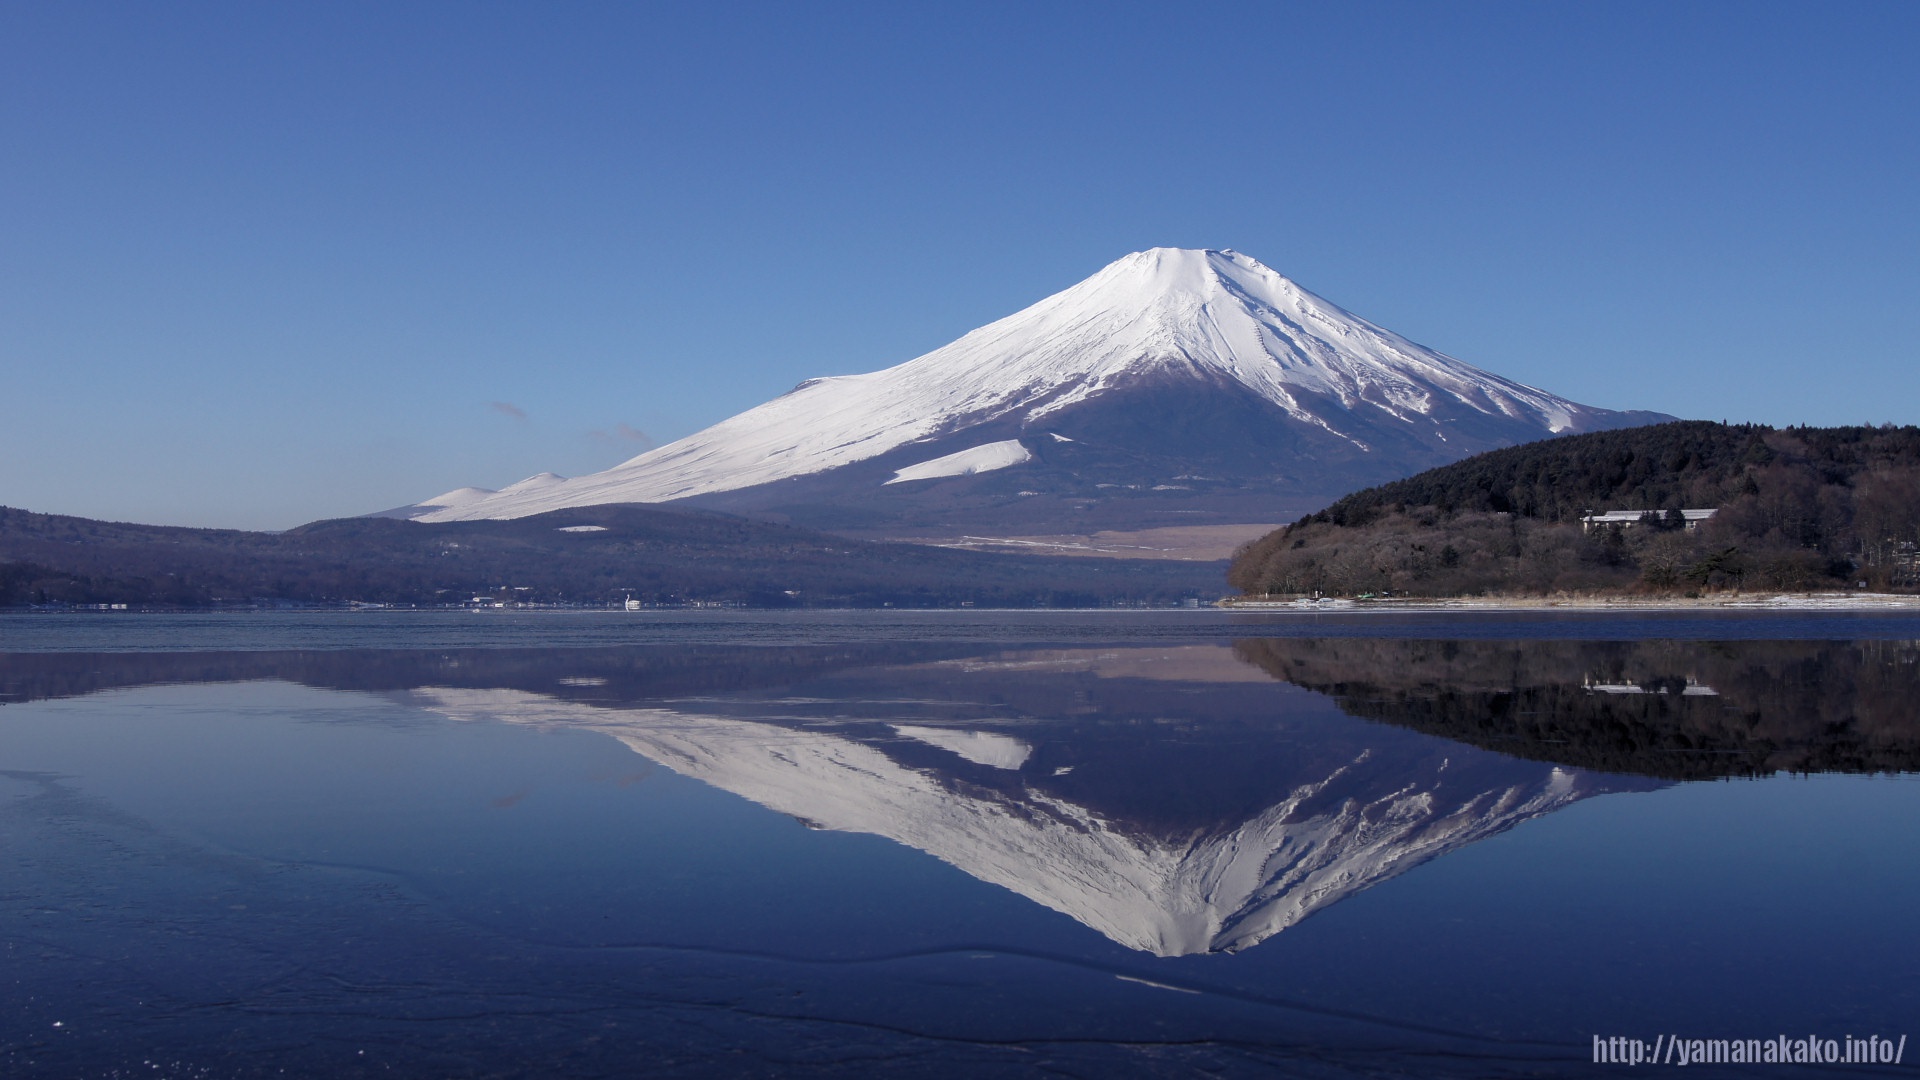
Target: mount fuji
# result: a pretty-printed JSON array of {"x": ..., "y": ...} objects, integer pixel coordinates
[{"x": 1173, "y": 388}]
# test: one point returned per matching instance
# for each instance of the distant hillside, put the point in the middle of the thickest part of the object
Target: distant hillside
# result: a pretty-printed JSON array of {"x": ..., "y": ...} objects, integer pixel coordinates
[
  {"x": 1798, "y": 508},
  {"x": 593, "y": 555}
]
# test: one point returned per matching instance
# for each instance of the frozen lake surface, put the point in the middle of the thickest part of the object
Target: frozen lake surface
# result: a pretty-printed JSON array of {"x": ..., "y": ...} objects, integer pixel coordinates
[{"x": 1114, "y": 843}]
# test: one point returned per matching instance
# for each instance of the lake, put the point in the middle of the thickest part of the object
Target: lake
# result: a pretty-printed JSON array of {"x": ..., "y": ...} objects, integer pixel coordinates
[{"x": 970, "y": 843}]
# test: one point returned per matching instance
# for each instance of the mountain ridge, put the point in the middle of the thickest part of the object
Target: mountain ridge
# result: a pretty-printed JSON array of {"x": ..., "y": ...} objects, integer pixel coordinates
[{"x": 594, "y": 555}]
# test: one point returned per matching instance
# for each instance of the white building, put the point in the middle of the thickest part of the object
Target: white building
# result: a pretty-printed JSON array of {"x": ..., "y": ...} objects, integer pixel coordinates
[{"x": 1626, "y": 519}]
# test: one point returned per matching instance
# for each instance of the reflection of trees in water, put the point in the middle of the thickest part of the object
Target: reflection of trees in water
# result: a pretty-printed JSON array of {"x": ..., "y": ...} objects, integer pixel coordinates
[{"x": 1777, "y": 706}]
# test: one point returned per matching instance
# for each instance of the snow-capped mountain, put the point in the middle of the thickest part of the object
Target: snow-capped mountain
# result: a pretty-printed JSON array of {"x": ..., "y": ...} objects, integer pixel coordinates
[{"x": 1171, "y": 382}]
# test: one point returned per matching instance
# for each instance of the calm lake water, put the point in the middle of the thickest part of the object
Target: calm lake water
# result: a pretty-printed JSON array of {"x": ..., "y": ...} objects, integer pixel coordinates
[{"x": 951, "y": 844}]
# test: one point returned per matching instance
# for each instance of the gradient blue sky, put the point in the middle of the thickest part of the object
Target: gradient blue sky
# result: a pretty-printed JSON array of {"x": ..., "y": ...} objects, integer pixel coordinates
[{"x": 266, "y": 263}]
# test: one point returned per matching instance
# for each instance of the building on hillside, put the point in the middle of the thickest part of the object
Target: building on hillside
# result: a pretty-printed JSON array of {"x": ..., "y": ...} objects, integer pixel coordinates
[{"x": 1627, "y": 519}]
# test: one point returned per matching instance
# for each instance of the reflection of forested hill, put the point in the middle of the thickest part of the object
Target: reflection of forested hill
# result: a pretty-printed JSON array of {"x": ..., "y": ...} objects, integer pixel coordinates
[{"x": 1775, "y": 706}]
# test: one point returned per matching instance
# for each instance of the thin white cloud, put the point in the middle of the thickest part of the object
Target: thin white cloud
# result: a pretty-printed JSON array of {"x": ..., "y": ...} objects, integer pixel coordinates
[{"x": 622, "y": 434}]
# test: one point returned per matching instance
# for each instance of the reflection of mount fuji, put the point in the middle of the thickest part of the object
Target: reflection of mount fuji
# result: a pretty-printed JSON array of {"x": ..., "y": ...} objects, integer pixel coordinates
[
  {"x": 1175, "y": 799},
  {"x": 1167, "y": 801}
]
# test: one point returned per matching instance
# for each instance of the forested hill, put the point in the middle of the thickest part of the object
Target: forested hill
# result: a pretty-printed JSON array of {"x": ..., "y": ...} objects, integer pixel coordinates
[
  {"x": 1797, "y": 508},
  {"x": 1691, "y": 463}
]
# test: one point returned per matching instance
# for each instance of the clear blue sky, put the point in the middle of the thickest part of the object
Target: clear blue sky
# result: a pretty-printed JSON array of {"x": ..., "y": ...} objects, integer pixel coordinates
[{"x": 266, "y": 263}]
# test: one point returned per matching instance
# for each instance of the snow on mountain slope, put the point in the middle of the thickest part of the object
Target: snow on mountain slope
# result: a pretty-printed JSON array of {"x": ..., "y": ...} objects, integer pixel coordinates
[
  {"x": 1216, "y": 318},
  {"x": 1334, "y": 834},
  {"x": 978, "y": 459},
  {"x": 532, "y": 486},
  {"x": 459, "y": 497}
]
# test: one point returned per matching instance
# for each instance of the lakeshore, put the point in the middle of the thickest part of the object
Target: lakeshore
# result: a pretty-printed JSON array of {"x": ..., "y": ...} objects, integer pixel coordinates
[{"x": 1835, "y": 600}]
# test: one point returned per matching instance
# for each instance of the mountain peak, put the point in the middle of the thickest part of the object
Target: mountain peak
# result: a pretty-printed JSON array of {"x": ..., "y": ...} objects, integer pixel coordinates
[
  {"x": 1207, "y": 325},
  {"x": 1169, "y": 270}
]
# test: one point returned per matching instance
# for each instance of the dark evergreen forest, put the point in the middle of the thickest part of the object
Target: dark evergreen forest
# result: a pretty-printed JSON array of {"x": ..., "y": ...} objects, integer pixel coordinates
[{"x": 1798, "y": 508}]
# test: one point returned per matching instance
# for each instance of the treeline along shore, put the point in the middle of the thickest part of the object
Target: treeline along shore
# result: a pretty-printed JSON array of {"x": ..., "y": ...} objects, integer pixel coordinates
[{"x": 1798, "y": 508}]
